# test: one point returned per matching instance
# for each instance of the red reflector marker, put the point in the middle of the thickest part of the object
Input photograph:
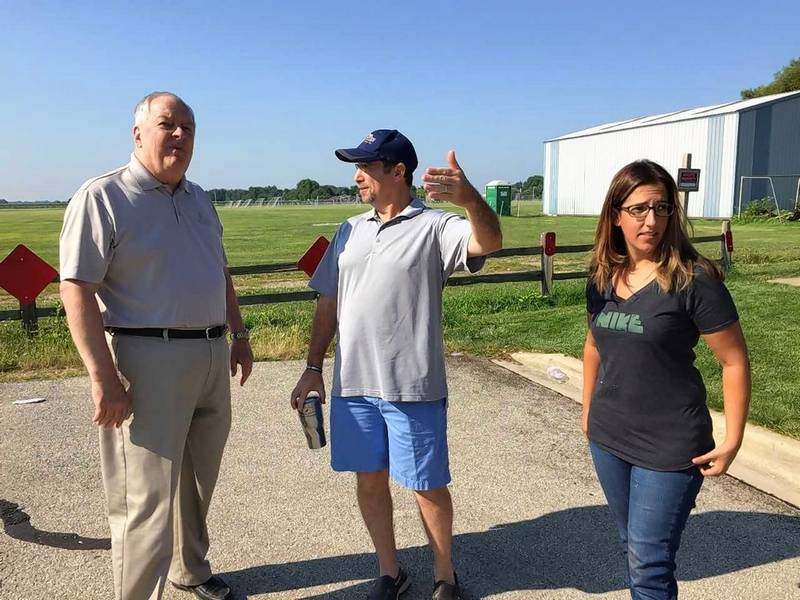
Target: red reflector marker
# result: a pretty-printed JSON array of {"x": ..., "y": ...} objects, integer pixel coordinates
[
  {"x": 24, "y": 275},
  {"x": 550, "y": 243},
  {"x": 310, "y": 260}
]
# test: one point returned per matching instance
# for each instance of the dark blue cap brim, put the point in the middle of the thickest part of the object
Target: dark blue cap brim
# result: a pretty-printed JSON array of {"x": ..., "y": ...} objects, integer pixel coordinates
[{"x": 356, "y": 155}]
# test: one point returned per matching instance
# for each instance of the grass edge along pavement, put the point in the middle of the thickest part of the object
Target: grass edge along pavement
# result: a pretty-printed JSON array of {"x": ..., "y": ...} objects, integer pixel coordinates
[
  {"x": 488, "y": 320},
  {"x": 766, "y": 460}
]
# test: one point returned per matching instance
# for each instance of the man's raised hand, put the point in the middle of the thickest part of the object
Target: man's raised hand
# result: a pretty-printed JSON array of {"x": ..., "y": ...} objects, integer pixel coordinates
[{"x": 449, "y": 184}]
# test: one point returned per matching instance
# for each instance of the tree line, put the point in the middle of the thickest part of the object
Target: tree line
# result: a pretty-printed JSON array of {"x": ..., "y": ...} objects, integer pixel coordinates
[{"x": 308, "y": 190}]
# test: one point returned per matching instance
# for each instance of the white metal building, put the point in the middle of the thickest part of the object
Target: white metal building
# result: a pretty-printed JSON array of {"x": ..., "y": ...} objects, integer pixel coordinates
[{"x": 730, "y": 143}]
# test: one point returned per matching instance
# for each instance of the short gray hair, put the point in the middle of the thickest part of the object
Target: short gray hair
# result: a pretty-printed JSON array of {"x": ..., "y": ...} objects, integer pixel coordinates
[{"x": 142, "y": 109}]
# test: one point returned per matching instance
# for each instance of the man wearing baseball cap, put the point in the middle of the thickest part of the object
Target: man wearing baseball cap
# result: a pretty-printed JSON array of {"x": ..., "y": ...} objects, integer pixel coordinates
[{"x": 380, "y": 284}]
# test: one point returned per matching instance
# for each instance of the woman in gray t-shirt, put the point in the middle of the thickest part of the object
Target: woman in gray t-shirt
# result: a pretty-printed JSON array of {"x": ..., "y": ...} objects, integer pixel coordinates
[{"x": 650, "y": 297}]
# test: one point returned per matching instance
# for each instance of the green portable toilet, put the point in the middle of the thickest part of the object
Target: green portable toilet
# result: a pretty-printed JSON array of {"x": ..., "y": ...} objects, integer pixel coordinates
[{"x": 498, "y": 196}]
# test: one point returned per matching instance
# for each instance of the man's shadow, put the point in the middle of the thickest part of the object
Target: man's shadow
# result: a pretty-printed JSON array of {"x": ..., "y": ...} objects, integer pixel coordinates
[
  {"x": 574, "y": 548},
  {"x": 17, "y": 524}
]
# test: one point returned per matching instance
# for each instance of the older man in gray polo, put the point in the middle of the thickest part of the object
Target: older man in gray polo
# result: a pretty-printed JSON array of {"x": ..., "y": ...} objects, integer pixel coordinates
[
  {"x": 148, "y": 300},
  {"x": 380, "y": 285}
]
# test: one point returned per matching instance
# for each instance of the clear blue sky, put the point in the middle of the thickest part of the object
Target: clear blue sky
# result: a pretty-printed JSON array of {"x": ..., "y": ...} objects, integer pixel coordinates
[{"x": 277, "y": 85}]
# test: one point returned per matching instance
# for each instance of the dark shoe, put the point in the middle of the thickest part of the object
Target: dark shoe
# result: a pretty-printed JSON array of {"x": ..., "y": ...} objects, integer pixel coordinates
[
  {"x": 389, "y": 588},
  {"x": 447, "y": 591},
  {"x": 213, "y": 589}
]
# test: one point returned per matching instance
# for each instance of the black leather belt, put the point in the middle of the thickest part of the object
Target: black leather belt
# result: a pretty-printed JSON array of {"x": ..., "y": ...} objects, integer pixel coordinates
[{"x": 210, "y": 333}]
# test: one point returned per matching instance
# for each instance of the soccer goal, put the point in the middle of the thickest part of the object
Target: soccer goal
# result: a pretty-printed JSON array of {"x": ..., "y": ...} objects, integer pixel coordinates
[{"x": 785, "y": 182}]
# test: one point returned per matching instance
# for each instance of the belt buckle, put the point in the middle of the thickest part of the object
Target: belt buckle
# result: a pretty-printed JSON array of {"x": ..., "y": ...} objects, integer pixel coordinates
[
  {"x": 222, "y": 329},
  {"x": 165, "y": 334}
]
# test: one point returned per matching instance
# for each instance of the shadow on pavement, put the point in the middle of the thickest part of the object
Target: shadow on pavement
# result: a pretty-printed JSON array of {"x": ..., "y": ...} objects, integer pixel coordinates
[
  {"x": 574, "y": 548},
  {"x": 17, "y": 524}
]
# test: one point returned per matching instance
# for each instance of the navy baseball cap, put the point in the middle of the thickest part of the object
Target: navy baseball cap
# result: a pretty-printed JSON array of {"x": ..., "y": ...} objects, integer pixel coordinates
[{"x": 382, "y": 144}]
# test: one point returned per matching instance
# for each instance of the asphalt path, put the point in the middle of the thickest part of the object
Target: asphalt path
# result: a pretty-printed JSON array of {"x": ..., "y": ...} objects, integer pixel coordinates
[{"x": 530, "y": 516}]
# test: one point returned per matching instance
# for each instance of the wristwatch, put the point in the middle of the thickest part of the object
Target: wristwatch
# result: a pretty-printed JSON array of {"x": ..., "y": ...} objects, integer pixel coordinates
[{"x": 244, "y": 334}]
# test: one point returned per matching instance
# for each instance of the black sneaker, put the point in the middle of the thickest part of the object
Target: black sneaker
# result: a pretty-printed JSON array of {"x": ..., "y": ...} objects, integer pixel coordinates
[
  {"x": 447, "y": 591},
  {"x": 213, "y": 589},
  {"x": 390, "y": 588}
]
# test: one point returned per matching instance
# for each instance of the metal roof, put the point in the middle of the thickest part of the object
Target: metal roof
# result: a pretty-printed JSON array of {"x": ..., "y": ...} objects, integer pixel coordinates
[{"x": 679, "y": 115}]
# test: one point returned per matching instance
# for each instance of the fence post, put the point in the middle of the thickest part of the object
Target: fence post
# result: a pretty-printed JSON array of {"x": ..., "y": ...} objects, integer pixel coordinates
[
  {"x": 29, "y": 319},
  {"x": 726, "y": 246},
  {"x": 548, "y": 241}
]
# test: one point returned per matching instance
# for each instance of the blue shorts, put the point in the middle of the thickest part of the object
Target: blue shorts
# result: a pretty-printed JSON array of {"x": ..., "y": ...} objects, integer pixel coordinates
[{"x": 408, "y": 438}]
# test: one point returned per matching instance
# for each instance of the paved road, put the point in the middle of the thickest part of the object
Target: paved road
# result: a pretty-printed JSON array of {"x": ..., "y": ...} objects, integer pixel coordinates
[{"x": 530, "y": 520}]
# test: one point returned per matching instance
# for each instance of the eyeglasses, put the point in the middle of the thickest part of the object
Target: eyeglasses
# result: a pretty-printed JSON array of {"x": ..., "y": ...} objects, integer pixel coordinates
[{"x": 640, "y": 211}]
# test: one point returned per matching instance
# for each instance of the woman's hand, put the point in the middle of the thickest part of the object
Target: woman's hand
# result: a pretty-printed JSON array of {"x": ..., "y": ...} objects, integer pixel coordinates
[
  {"x": 716, "y": 462},
  {"x": 731, "y": 351}
]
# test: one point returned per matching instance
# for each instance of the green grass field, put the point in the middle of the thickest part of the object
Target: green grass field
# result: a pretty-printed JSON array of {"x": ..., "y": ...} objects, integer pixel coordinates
[{"x": 489, "y": 320}]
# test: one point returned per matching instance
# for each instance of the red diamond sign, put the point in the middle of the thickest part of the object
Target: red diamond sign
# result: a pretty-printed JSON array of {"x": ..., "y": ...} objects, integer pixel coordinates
[
  {"x": 310, "y": 260},
  {"x": 24, "y": 275}
]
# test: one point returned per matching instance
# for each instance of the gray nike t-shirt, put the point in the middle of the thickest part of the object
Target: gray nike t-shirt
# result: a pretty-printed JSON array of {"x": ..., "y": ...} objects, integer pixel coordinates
[{"x": 388, "y": 280}]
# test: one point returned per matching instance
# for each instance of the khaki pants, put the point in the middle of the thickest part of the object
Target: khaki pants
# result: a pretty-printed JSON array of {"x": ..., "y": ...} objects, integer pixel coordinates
[{"x": 160, "y": 467}]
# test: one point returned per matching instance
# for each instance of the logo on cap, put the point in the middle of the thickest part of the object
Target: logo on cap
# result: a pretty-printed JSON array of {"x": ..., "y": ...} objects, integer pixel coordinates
[{"x": 370, "y": 139}]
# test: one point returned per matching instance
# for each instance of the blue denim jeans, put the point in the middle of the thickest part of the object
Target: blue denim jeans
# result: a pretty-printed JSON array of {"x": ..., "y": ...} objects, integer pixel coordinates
[{"x": 650, "y": 509}]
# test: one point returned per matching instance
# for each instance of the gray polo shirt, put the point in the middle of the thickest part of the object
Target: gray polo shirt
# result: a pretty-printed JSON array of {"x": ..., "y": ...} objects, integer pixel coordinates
[
  {"x": 157, "y": 256},
  {"x": 388, "y": 280}
]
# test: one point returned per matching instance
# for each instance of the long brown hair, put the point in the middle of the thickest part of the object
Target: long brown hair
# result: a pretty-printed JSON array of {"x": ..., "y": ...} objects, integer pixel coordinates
[{"x": 675, "y": 255}]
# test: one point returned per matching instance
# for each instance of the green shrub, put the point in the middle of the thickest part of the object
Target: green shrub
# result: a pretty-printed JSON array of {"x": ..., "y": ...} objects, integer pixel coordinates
[
  {"x": 763, "y": 210},
  {"x": 763, "y": 207}
]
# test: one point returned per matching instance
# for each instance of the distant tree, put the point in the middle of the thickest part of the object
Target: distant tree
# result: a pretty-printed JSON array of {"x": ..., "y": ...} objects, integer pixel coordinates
[
  {"x": 530, "y": 188},
  {"x": 3, "y": 201},
  {"x": 324, "y": 191},
  {"x": 786, "y": 80},
  {"x": 534, "y": 184},
  {"x": 306, "y": 189}
]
